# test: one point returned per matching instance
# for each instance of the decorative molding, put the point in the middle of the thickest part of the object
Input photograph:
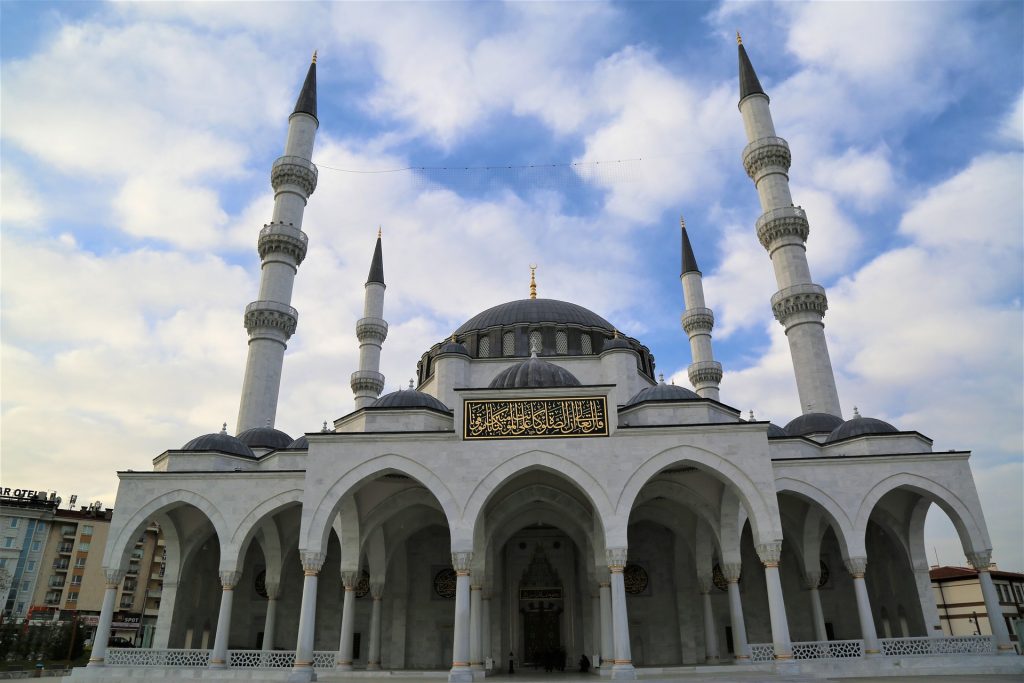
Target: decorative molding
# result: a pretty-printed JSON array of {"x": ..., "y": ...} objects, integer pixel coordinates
[
  {"x": 770, "y": 553},
  {"x": 782, "y": 223},
  {"x": 856, "y": 566},
  {"x": 293, "y": 170},
  {"x": 229, "y": 578},
  {"x": 705, "y": 582},
  {"x": 273, "y": 589},
  {"x": 770, "y": 154},
  {"x": 373, "y": 330},
  {"x": 377, "y": 589},
  {"x": 732, "y": 571},
  {"x": 272, "y": 314},
  {"x": 616, "y": 558},
  {"x": 799, "y": 299},
  {"x": 367, "y": 381},
  {"x": 311, "y": 562},
  {"x": 698, "y": 321},
  {"x": 349, "y": 579},
  {"x": 113, "y": 577},
  {"x": 282, "y": 238},
  {"x": 812, "y": 580},
  {"x": 981, "y": 560},
  {"x": 461, "y": 562},
  {"x": 705, "y": 372}
]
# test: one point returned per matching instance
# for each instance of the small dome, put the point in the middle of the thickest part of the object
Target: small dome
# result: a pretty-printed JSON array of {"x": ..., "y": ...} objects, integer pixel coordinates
[
  {"x": 615, "y": 343},
  {"x": 300, "y": 444},
  {"x": 812, "y": 423},
  {"x": 662, "y": 392},
  {"x": 534, "y": 311},
  {"x": 775, "y": 430},
  {"x": 534, "y": 373},
  {"x": 859, "y": 426},
  {"x": 453, "y": 347},
  {"x": 221, "y": 442},
  {"x": 264, "y": 437},
  {"x": 409, "y": 398}
]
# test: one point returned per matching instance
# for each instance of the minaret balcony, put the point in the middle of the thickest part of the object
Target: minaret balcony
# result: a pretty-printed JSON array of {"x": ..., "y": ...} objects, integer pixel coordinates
[
  {"x": 292, "y": 170},
  {"x": 805, "y": 298},
  {"x": 705, "y": 372},
  {"x": 271, "y": 314},
  {"x": 784, "y": 223},
  {"x": 367, "y": 381},
  {"x": 283, "y": 238},
  {"x": 372, "y": 330},
  {"x": 698, "y": 321},
  {"x": 766, "y": 155}
]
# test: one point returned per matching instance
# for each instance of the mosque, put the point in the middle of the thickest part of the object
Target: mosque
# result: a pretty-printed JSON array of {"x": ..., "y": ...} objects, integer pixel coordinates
[{"x": 539, "y": 497}]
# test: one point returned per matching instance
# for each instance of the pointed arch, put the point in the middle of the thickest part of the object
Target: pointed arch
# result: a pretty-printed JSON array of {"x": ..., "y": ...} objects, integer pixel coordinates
[
  {"x": 819, "y": 499},
  {"x": 233, "y": 550}
]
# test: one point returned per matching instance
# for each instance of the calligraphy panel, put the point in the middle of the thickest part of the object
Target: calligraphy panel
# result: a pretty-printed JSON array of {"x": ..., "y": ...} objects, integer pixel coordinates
[{"x": 535, "y": 418}]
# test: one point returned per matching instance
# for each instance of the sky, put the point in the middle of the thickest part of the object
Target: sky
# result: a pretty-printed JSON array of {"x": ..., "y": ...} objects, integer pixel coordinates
[{"x": 136, "y": 141}]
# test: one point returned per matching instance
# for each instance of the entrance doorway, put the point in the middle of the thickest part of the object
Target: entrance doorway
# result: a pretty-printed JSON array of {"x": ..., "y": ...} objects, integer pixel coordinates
[{"x": 541, "y": 606}]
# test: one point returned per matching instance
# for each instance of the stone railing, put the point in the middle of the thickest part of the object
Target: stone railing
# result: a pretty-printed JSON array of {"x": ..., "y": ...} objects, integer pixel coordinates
[
  {"x": 923, "y": 646},
  {"x": 277, "y": 659},
  {"x": 828, "y": 649},
  {"x": 762, "y": 652},
  {"x": 140, "y": 656}
]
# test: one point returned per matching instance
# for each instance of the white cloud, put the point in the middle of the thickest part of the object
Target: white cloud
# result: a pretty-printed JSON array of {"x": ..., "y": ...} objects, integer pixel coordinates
[
  {"x": 1013, "y": 123},
  {"x": 21, "y": 205},
  {"x": 865, "y": 178}
]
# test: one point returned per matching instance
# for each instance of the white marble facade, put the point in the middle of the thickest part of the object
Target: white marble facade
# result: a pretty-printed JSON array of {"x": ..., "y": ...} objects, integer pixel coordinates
[{"x": 682, "y": 536}]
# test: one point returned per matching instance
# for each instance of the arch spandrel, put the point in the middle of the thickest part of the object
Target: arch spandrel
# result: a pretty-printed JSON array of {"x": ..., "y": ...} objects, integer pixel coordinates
[
  {"x": 564, "y": 468},
  {"x": 820, "y": 500},
  {"x": 233, "y": 550},
  {"x": 972, "y": 531},
  {"x": 123, "y": 534},
  {"x": 320, "y": 506},
  {"x": 763, "y": 513}
]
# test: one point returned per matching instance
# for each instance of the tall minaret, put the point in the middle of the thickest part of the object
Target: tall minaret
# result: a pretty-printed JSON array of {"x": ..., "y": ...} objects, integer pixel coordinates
[
  {"x": 698, "y": 320},
  {"x": 270, "y": 319},
  {"x": 799, "y": 305},
  {"x": 372, "y": 330}
]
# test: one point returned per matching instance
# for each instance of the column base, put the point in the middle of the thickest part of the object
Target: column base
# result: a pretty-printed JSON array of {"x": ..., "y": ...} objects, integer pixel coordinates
[
  {"x": 460, "y": 674},
  {"x": 343, "y": 666},
  {"x": 302, "y": 674},
  {"x": 373, "y": 666},
  {"x": 93, "y": 663},
  {"x": 1006, "y": 650},
  {"x": 623, "y": 671},
  {"x": 217, "y": 664},
  {"x": 711, "y": 660}
]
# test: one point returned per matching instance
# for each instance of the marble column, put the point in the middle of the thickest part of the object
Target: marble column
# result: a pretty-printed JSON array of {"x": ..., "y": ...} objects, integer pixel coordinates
[
  {"x": 162, "y": 632},
  {"x": 475, "y": 608},
  {"x": 485, "y": 627},
  {"x": 373, "y": 654},
  {"x": 595, "y": 617},
  {"x": 982, "y": 561},
  {"x": 622, "y": 665},
  {"x": 607, "y": 636},
  {"x": 303, "y": 669},
  {"x": 113, "y": 579},
  {"x": 770, "y": 554},
  {"x": 219, "y": 656},
  {"x": 812, "y": 580},
  {"x": 348, "y": 617},
  {"x": 856, "y": 566},
  {"x": 460, "y": 670},
  {"x": 731, "y": 571},
  {"x": 710, "y": 634},
  {"x": 270, "y": 621}
]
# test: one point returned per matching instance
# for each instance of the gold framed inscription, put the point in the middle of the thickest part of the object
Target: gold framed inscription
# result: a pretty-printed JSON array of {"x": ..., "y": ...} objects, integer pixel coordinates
[{"x": 535, "y": 418}]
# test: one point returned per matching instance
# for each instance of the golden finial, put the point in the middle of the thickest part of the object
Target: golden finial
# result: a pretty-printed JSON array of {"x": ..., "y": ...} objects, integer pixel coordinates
[
  {"x": 682, "y": 222},
  {"x": 378, "y": 231},
  {"x": 739, "y": 40},
  {"x": 615, "y": 334},
  {"x": 533, "y": 282},
  {"x": 314, "y": 56},
  {"x": 453, "y": 339}
]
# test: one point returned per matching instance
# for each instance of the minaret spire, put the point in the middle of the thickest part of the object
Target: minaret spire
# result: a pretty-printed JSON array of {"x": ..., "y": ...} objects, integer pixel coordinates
[
  {"x": 270, "y": 320},
  {"x": 705, "y": 372},
  {"x": 533, "y": 282},
  {"x": 799, "y": 305},
  {"x": 367, "y": 382}
]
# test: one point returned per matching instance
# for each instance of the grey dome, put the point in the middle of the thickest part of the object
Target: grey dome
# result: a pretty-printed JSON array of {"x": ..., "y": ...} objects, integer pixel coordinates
[
  {"x": 775, "y": 430},
  {"x": 453, "y": 347},
  {"x": 615, "y": 343},
  {"x": 662, "y": 392},
  {"x": 409, "y": 398},
  {"x": 301, "y": 443},
  {"x": 264, "y": 437},
  {"x": 534, "y": 373},
  {"x": 221, "y": 442},
  {"x": 812, "y": 423},
  {"x": 858, "y": 426},
  {"x": 532, "y": 311}
]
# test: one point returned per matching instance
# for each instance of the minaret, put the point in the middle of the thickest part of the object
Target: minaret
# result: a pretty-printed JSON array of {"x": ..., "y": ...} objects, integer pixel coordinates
[
  {"x": 372, "y": 330},
  {"x": 698, "y": 320},
  {"x": 270, "y": 319},
  {"x": 799, "y": 305}
]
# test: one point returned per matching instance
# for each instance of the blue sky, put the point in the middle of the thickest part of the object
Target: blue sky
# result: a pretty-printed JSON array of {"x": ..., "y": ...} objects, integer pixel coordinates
[{"x": 136, "y": 146}]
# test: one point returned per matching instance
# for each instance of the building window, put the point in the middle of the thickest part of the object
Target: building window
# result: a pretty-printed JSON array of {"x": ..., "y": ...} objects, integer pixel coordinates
[
  {"x": 79, "y": 562},
  {"x": 30, "y": 566},
  {"x": 508, "y": 344},
  {"x": 36, "y": 545},
  {"x": 14, "y": 523},
  {"x": 484, "y": 347},
  {"x": 83, "y": 547},
  {"x": 73, "y": 596},
  {"x": 87, "y": 530},
  {"x": 41, "y": 527},
  {"x": 586, "y": 347},
  {"x": 19, "y": 608},
  {"x": 24, "y": 586},
  {"x": 536, "y": 342},
  {"x": 76, "y": 580},
  {"x": 8, "y": 541},
  {"x": 3, "y": 563},
  {"x": 561, "y": 343}
]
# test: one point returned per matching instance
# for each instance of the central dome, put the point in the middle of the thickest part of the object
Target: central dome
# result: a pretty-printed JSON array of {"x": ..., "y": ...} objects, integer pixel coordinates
[{"x": 534, "y": 311}]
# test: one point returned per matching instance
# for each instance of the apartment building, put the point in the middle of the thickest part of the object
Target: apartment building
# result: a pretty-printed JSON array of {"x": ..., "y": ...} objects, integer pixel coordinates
[
  {"x": 26, "y": 518},
  {"x": 962, "y": 605}
]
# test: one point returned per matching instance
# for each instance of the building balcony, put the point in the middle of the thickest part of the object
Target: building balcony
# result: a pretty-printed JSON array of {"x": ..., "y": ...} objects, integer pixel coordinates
[
  {"x": 69, "y": 532},
  {"x": 56, "y": 582},
  {"x": 66, "y": 548},
  {"x": 60, "y": 565}
]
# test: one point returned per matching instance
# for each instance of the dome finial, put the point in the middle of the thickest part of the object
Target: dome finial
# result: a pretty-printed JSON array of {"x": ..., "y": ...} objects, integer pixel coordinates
[
  {"x": 856, "y": 413},
  {"x": 739, "y": 38},
  {"x": 661, "y": 378},
  {"x": 379, "y": 230},
  {"x": 454, "y": 341},
  {"x": 268, "y": 422},
  {"x": 410, "y": 384},
  {"x": 750, "y": 417},
  {"x": 533, "y": 282},
  {"x": 314, "y": 56},
  {"x": 224, "y": 428},
  {"x": 534, "y": 350},
  {"x": 324, "y": 428}
]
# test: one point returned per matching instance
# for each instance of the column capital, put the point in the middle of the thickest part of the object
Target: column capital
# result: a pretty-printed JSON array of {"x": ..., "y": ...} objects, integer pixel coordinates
[
  {"x": 311, "y": 562},
  {"x": 604, "y": 584},
  {"x": 981, "y": 560},
  {"x": 273, "y": 589},
  {"x": 113, "y": 577},
  {"x": 616, "y": 558},
  {"x": 349, "y": 579},
  {"x": 856, "y": 566},
  {"x": 812, "y": 579},
  {"x": 377, "y": 590},
  {"x": 732, "y": 571},
  {"x": 770, "y": 553},
  {"x": 476, "y": 587},
  {"x": 705, "y": 582},
  {"x": 461, "y": 562},
  {"x": 229, "y": 578}
]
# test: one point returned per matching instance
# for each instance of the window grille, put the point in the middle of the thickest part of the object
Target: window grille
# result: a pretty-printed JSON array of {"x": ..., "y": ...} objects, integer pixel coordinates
[
  {"x": 585, "y": 344},
  {"x": 536, "y": 342},
  {"x": 561, "y": 343},
  {"x": 484, "y": 347},
  {"x": 508, "y": 344}
]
